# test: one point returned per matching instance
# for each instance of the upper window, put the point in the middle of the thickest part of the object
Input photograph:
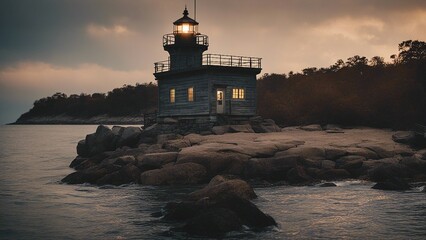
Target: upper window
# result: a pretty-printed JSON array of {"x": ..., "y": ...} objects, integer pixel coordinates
[
  {"x": 191, "y": 94},
  {"x": 238, "y": 93},
  {"x": 172, "y": 95}
]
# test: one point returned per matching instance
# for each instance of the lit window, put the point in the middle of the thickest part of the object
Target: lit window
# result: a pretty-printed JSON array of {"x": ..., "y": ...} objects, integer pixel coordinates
[
  {"x": 172, "y": 95},
  {"x": 238, "y": 93},
  {"x": 191, "y": 94}
]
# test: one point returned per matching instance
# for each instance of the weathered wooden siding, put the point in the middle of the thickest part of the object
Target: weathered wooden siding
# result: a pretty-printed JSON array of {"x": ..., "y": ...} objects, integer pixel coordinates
[
  {"x": 242, "y": 107},
  {"x": 181, "y": 106}
]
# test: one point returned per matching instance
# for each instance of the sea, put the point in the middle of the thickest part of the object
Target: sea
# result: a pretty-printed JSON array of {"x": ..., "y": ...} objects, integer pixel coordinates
[{"x": 34, "y": 204}]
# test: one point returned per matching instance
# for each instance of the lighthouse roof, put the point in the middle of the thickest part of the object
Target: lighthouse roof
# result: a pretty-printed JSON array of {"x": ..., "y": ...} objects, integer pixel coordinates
[{"x": 185, "y": 19}]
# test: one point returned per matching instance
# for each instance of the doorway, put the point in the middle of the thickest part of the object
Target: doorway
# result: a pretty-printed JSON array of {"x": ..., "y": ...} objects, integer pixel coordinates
[{"x": 220, "y": 101}]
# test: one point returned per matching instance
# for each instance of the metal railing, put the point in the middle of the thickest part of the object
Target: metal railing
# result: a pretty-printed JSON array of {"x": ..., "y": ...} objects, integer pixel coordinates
[
  {"x": 217, "y": 60},
  {"x": 231, "y": 61},
  {"x": 200, "y": 39}
]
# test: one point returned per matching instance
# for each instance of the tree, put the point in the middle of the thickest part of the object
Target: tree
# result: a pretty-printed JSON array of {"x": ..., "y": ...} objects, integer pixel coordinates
[
  {"x": 410, "y": 51},
  {"x": 377, "y": 61},
  {"x": 309, "y": 71},
  {"x": 337, "y": 66},
  {"x": 357, "y": 61}
]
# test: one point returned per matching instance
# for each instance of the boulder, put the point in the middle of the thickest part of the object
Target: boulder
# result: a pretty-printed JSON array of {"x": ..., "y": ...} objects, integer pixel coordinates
[
  {"x": 224, "y": 215},
  {"x": 312, "y": 127},
  {"x": 327, "y": 164},
  {"x": 386, "y": 172},
  {"x": 218, "y": 190},
  {"x": 240, "y": 128},
  {"x": 392, "y": 184},
  {"x": 421, "y": 154},
  {"x": 83, "y": 149},
  {"x": 405, "y": 137},
  {"x": 334, "y": 153},
  {"x": 298, "y": 175},
  {"x": 350, "y": 162},
  {"x": 274, "y": 168},
  {"x": 129, "y": 137},
  {"x": 162, "y": 138},
  {"x": 176, "y": 145},
  {"x": 155, "y": 160},
  {"x": 263, "y": 126},
  {"x": 194, "y": 139},
  {"x": 333, "y": 174},
  {"x": 100, "y": 141},
  {"x": 77, "y": 161},
  {"x": 305, "y": 152},
  {"x": 415, "y": 164},
  {"x": 90, "y": 175},
  {"x": 216, "y": 158},
  {"x": 212, "y": 222},
  {"x": 185, "y": 173},
  {"x": 128, "y": 174},
  {"x": 220, "y": 130},
  {"x": 359, "y": 151},
  {"x": 332, "y": 128}
]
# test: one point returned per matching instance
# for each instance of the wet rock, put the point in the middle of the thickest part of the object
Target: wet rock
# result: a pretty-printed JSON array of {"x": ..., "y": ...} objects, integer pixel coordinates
[
  {"x": 350, "y": 162},
  {"x": 415, "y": 164},
  {"x": 83, "y": 149},
  {"x": 212, "y": 222},
  {"x": 155, "y": 160},
  {"x": 327, "y": 164},
  {"x": 298, "y": 175},
  {"x": 90, "y": 175},
  {"x": 128, "y": 174},
  {"x": 392, "y": 184},
  {"x": 274, "y": 168},
  {"x": 405, "y": 137},
  {"x": 185, "y": 173},
  {"x": 218, "y": 189},
  {"x": 358, "y": 151},
  {"x": 77, "y": 161},
  {"x": 334, "y": 153},
  {"x": 333, "y": 174},
  {"x": 100, "y": 141},
  {"x": 385, "y": 172},
  {"x": 224, "y": 215}
]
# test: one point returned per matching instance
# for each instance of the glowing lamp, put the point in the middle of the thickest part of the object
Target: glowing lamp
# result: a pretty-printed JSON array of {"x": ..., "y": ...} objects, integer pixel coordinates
[{"x": 185, "y": 25}]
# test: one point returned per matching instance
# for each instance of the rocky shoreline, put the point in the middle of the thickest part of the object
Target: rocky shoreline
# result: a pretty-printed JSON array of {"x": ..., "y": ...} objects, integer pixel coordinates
[
  {"x": 226, "y": 157},
  {"x": 65, "y": 119}
]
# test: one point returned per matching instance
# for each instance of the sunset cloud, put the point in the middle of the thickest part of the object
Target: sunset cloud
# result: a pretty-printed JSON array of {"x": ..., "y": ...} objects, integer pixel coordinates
[{"x": 95, "y": 30}]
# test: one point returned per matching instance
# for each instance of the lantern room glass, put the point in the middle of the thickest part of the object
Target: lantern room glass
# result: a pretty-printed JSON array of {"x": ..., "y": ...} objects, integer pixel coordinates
[{"x": 185, "y": 28}]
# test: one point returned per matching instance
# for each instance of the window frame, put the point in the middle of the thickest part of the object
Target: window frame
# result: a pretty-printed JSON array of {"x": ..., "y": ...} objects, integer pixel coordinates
[
  {"x": 172, "y": 95},
  {"x": 238, "y": 93},
  {"x": 190, "y": 97}
]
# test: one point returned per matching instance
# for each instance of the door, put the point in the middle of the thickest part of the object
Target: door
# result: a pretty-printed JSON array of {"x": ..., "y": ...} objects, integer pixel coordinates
[{"x": 220, "y": 101}]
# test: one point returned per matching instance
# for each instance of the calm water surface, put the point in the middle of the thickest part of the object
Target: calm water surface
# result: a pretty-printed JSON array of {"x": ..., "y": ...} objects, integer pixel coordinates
[{"x": 34, "y": 205}]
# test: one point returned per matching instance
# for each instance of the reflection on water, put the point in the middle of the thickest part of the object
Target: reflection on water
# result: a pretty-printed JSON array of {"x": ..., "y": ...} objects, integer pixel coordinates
[{"x": 33, "y": 205}]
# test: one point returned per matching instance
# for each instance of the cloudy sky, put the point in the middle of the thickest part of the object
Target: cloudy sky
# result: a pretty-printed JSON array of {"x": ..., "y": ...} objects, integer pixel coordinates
[{"x": 76, "y": 46}]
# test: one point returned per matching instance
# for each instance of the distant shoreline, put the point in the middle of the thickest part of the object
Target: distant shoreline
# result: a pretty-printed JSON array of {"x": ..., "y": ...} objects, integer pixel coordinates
[{"x": 69, "y": 120}]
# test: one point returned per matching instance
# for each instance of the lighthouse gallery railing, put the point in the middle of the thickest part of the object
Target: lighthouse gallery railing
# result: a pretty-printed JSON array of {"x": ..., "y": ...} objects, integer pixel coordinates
[{"x": 217, "y": 60}]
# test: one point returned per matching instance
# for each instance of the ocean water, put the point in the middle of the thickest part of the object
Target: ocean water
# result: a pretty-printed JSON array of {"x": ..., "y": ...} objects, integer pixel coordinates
[{"x": 35, "y": 205}]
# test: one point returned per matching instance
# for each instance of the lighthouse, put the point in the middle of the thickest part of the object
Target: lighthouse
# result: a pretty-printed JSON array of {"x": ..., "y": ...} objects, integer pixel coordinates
[{"x": 202, "y": 88}]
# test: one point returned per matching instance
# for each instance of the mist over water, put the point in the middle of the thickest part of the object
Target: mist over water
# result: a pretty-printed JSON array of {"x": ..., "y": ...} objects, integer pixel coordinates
[{"x": 34, "y": 205}]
